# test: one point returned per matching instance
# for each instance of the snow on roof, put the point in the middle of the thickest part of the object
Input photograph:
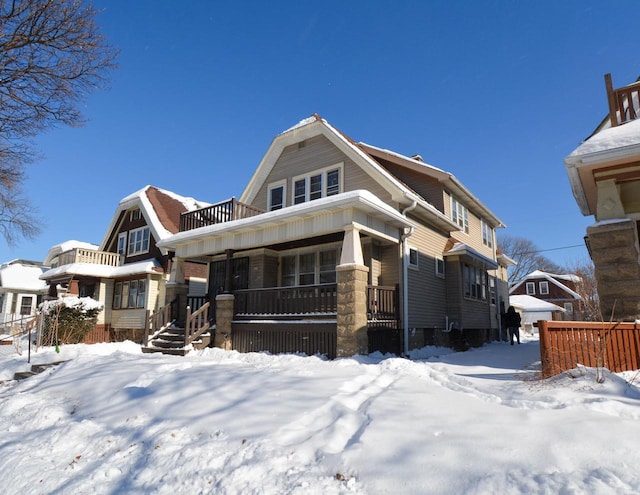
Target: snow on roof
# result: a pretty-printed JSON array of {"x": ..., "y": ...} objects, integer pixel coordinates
[
  {"x": 568, "y": 276},
  {"x": 462, "y": 248},
  {"x": 533, "y": 304},
  {"x": 22, "y": 278},
  {"x": 103, "y": 271},
  {"x": 309, "y": 120},
  {"x": 611, "y": 138},
  {"x": 67, "y": 246}
]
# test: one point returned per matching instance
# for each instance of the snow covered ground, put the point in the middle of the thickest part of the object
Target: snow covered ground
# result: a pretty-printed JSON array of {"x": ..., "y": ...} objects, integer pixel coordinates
[{"x": 112, "y": 420}]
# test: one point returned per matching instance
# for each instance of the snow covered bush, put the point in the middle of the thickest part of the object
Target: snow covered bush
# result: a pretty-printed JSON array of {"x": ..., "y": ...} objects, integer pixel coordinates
[{"x": 68, "y": 320}]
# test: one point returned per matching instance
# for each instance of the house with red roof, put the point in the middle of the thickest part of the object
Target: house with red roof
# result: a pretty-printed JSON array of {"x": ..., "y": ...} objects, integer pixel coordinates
[{"x": 128, "y": 271}]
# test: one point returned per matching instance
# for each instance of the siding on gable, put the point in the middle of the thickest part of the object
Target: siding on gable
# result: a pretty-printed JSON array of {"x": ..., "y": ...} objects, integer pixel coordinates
[
  {"x": 317, "y": 153},
  {"x": 474, "y": 238}
]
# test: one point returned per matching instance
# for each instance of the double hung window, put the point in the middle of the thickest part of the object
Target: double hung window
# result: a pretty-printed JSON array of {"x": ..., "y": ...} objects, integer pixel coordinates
[
  {"x": 139, "y": 241},
  {"x": 309, "y": 268},
  {"x": 130, "y": 294},
  {"x": 316, "y": 185},
  {"x": 460, "y": 214}
]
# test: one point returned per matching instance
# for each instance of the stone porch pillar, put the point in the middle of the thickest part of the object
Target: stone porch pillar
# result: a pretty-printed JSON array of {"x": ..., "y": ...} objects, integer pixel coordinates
[
  {"x": 616, "y": 256},
  {"x": 352, "y": 276},
  {"x": 224, "y": 319}
]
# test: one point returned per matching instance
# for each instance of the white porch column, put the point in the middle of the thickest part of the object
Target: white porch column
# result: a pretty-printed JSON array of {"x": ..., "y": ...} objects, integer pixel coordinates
[
  {"x": 177, "y": 271},
  {"x": 351, "y": 247},
  {"x": 609, "y": 203}
]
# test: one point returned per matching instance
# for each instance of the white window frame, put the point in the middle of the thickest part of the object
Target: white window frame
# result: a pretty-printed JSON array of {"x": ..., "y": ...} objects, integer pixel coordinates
[
  {"x": 487, "y": 234},
  {"x": 544, "y": 288},
  {"x": 568, "y": 307},
  {"x": 460, "y": 214},
  {"x": 440, "y": 267},
  {"x": 122, "y": 244},
  {"x": 277, "y": 185},
  {"x": 530, "y": 288},
  {"x": 135, "y": 214},
  {"x": 132, "y": 249},
  {"x": 324, "y": 175},
  {"x": 127, "y": 294},
  {"x": 413, "y": 257}
]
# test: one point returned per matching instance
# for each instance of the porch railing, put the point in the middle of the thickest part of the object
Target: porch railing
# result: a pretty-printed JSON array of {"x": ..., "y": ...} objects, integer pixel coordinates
[
  {"x": 382, "y": 303},
  {"x": 622, "y": 101},
  {"x": 80, "y": 255},
  {"x": 225, "y": 211},
  {"x": 197, "y": 323},
  {"x": 300, "y": 300},
  {"x": 159, "y": 319}
]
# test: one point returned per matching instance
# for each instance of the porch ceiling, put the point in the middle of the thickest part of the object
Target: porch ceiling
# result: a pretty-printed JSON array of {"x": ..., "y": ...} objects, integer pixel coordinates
[{"x": 312, "y": 219}]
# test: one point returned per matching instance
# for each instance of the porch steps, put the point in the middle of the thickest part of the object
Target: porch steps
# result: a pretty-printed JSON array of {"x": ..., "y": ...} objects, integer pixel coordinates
[
  {"x": 171, "y": 341},
  {"x": 35, "y": 369}
]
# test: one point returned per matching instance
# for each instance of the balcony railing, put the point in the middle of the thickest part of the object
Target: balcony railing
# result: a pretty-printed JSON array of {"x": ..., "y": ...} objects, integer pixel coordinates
[
  {"x": 225, "y": 211},
  {"x": 80, "y": 255},
  {"x": 623, "y": 102}
]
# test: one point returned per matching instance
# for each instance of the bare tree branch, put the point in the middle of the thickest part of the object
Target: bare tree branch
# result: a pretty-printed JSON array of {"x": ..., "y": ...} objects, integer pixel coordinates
[
  {"x": 527, "y": 256},
  {"x": 52, "y": 55}
]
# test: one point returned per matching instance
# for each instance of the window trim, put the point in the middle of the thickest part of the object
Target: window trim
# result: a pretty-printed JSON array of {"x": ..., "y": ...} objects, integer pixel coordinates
[
  {"x": 324, "y": 175},
  {"x": 477, "y": 291},
  {"x": 133, "y": 241},
  {"x": 22, "y": 306},
  {"x": 282, "y": 184},
  {"x": 123, "y": 294},
  {"x": 439, "y": 262},
  {"x": 530, "y": 288},
  {"x": 544, "y": 288},
  {"x": 318, "y": 273},
  {"x": 415, "y": 265},
  {"x": 460, "y": 214},
  {"x": 122, "y": 236},
  {"x": 487, "y": 233}
]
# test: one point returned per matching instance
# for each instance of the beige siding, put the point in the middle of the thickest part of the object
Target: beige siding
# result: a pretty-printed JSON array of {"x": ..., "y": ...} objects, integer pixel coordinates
[
  {"x": 153, "y": 296},
  {"x": 128, "y": 318},
  {"x": 428, "y": 187},
  {"x": 317, "y": 153},
  {"x": 105, "y": 296}
]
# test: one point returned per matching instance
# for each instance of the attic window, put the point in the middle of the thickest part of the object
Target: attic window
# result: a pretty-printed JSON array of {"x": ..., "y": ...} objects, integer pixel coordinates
[{"x": 135, "y": 214}]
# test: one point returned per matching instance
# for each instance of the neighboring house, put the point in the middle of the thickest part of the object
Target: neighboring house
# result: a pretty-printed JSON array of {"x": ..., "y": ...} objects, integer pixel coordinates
[
  {"x": 127, "y": 272},
  {"x": 552, "y": 288},
  {"x": 532, "y": 310},
  {"x": 21, "y": 290},
  {"x": 368, "y": 247},
  {"x": 604, "y": 172}
]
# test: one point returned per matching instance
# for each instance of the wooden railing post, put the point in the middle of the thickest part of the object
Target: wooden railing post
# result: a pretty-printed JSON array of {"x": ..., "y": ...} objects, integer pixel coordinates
[{"x": 611, "y": 99}]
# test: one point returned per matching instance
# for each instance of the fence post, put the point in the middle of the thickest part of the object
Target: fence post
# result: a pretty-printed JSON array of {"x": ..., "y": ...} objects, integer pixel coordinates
[{"x": 543, "y": 333}]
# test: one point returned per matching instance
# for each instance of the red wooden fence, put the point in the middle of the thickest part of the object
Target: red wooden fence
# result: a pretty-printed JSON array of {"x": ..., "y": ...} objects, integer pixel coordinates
[{"x": 565, "y": 344}]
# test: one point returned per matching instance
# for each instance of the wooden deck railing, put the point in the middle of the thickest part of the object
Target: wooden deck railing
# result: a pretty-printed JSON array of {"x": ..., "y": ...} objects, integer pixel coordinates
[
  {"x": 158, "y": 319},
  {"x": 565, "y": 344},
  {"x": 197, "y": 323},
  {"x": 80, "y": 255},
  {"x": 300, "y": 300},
  {"x": 226, "y": 211},
  {"x": 622, "y": 101}
]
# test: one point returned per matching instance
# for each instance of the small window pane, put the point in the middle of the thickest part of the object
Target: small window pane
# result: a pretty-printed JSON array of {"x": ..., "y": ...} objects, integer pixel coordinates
[
  {"x": 142, "y": 292},
  {"x": 288, "y": 264},
  {"x": 277, "y": 197},
  {"x": 300, "y": 191},
  {"x": 333, "y": 182},
  {"x": 125, "y": 294},
  {"x": 117, "y": 293},
  {"x": 315, "y": 187},
  {"x": 307, "y": 269},
  {"x": 133, "y": 293}
]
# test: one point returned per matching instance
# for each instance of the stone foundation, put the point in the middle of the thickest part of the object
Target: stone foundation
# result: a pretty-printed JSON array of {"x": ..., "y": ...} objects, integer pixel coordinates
[
  {"x": 224, "y": 317},
  {"x": 615, "y": 254},
  {"x": 352, "y": 310}
]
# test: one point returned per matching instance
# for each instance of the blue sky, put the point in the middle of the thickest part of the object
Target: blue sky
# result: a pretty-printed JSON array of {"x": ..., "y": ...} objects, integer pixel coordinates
[{"x": 495, "y": 92}]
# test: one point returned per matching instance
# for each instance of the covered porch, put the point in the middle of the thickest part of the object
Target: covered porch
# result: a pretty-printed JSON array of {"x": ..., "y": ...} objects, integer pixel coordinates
[{"x": 309, "y": 278}]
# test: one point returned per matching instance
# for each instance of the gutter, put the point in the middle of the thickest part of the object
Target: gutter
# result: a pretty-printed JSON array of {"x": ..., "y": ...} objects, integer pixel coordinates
[{"x": 405, "y": 278}]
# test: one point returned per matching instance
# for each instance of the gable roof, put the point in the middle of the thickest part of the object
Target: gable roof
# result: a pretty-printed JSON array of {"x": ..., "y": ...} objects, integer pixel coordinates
[
  {"x": 315, "y": 126},
  {"x": 448, "y": 180},
  {"x": 554, "y": 278},
  {"x": 160, "y": 208}
]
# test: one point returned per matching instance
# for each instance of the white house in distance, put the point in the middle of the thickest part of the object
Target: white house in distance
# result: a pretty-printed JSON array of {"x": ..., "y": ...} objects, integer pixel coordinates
[{"x": 21, "y": 289}]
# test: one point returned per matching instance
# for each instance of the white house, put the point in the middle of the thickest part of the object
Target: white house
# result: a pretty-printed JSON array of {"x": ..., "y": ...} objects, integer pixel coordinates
[{"x": 21, "y": 289}]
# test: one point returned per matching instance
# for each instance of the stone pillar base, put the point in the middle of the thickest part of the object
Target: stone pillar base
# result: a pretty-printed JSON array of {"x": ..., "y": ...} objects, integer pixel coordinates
[
  {"x": 352, "y": 310},
  {"x": 224, "y": 317},
  {"x": 616, "y": 257}
]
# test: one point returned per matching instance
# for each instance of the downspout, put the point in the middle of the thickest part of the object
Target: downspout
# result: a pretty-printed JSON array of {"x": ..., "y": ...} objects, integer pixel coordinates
[{"x": 405, "y": 279}]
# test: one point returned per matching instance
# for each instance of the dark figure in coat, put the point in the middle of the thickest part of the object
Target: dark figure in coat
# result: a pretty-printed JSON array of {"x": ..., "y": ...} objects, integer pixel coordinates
[{"x": 512, "y": 322}]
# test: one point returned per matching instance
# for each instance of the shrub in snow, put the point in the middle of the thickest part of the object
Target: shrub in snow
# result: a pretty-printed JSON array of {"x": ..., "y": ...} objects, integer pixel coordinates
[{"x": 68, "y": 320}]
